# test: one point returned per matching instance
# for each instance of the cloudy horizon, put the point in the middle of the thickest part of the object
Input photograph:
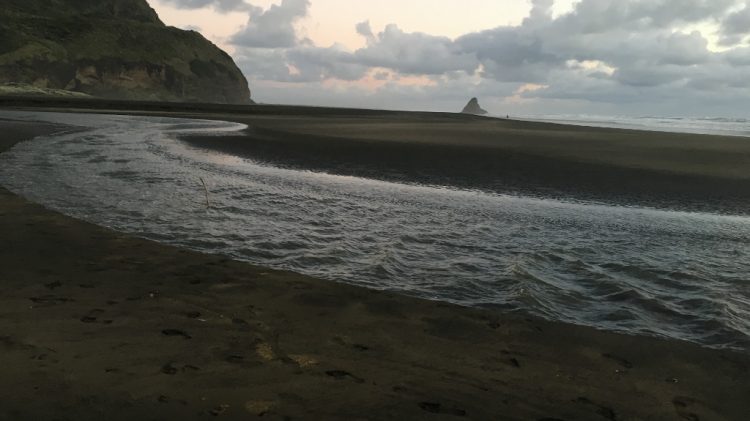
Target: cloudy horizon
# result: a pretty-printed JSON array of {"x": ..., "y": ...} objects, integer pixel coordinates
[{"x": 623, "y": 57}]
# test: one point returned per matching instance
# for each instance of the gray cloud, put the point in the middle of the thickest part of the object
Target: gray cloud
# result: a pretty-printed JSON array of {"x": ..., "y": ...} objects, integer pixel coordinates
[
  {"x": 597, "y": 16},
  {"x": 364, "y": 29},
  {"x": 414, "y": 53},
  {"x": 192, "y": 28},
  {"x": 391, "y": 96},
  {"x": 302, "y": 64},
  {"x": 738, "y": 22},
  {"x": 736, "y": 27},
  {"x": 382, "y": 75},
  {"x": 273, "y": 28},
  {"x": 315, "y": 64},
  {"x": 220, "y": 5},
  {"x": 541, "y": 11},
  {"x": 739, "y": 56},
  {"x": 603, "y": 51}
]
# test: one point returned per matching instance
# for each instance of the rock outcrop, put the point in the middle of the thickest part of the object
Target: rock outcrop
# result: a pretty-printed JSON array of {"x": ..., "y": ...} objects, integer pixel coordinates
[
  {"x": 116, "y": 49},
  {"x": 473, "y": 108}
]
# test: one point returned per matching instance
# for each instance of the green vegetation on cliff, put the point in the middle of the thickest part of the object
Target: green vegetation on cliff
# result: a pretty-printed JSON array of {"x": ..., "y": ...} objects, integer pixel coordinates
[{"x": 112, "y": 49}]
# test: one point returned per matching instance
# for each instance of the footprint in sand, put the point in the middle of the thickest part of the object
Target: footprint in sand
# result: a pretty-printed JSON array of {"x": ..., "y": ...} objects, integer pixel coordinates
[
  {"x": 53, "y": 285},
  {"x": 242, "y": 324},
  {"x": 235, "y": 359},
  {"x": 343, "y": 375},
  {"x": 169, "y": 369},
  {"x": 219, "y": 410},
  {"x": 682, "y": 405},
  {"x": 437, "y": 408},
  {"x": 601, "y": 410},
  {"x": 175, "y": 332},
  {"x": 92, "y": 317},
  {"x": 619, "y": 360},
  {"x": 50, "y": 300}
]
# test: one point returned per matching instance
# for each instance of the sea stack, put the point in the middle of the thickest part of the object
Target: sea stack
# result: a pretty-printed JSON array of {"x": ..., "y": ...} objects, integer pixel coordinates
[
  {"x": 473, "y": 108},
  {"x": 114, "y": 49}
]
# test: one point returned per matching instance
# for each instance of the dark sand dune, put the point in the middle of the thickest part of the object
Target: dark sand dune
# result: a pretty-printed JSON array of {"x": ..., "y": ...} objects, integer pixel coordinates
[{"x": 98, "y": 325}]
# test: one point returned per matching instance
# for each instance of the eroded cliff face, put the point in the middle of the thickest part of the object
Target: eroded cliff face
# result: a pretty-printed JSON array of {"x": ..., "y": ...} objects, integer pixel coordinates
[{"x": 113, "y": 49}]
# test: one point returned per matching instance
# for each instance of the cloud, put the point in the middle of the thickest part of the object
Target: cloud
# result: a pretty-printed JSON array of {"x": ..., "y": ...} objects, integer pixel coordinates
[
  {"x": 302, "y": 64},
  {"x": 220, "y": 5},
  {"x": 601, "y": 52},
  {"x": 601, "y": 16},
  {"x": 738, "y": 22},
  {"x": 335, "y": 62},
  {"x": 364, "y": 29},
  {"x": 392, "y": 95},
  {"x": 413, "y": 53},
  {"x": 541, "y": 10},
  {"x": 274, "y": 27},
  {"x": 736, "y": 27},
  {"x": 192, "y": 28},
  {"x": 738, "y": 57}
]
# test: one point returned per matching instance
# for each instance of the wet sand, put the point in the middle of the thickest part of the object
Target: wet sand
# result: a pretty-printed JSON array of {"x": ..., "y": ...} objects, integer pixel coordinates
[
  {"x": 95, "y": 324},
  {"x": 663, "y": 170},
  {"x": 617, "y": 166}
]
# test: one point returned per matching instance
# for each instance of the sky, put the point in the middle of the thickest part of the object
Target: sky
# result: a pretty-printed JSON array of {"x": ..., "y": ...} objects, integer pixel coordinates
[{"x": 519, "y": 57}]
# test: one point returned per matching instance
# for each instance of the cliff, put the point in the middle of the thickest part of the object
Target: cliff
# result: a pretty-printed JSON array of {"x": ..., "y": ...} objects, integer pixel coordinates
[
  {"x": 473, "y": 108},
  {"x": 117, "y": 49}
]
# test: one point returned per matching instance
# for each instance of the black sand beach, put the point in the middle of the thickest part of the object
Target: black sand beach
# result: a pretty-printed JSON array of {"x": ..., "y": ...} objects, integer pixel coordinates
[
  {"x": 645, "y": 168},
  {"x": 96, "y": 324},
  {"x": 663, "y": 170}
]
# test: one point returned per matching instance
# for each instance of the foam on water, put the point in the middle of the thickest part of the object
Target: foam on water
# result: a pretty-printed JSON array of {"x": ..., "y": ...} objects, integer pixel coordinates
[
  {"x": 698, "y": 125},
  {"x": 635, "y": 270}
]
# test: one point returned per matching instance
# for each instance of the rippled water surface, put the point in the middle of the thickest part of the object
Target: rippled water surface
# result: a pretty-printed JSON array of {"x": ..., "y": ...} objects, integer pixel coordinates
[{"x": 656, "y": 272}]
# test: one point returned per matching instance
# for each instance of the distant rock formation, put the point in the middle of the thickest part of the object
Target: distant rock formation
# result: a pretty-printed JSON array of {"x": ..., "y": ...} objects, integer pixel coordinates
[
  {"x": 117, "y": 49},
  {"x": 473, "y": 108}
]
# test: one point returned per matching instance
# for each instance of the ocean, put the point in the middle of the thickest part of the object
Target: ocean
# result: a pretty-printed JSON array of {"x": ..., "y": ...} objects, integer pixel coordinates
[{"x": 698, "y": 125}]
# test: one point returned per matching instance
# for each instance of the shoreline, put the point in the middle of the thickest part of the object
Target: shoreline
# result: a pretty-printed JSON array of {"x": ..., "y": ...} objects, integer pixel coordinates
[
  {"x": 660, "y": 170},
  {"x": 96, "y": 322},
  {"x": 625, "y": 167},
  {"x": 620, "y": 122}
]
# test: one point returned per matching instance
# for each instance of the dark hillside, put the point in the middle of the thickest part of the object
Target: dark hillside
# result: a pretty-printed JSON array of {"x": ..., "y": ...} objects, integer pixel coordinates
[{"x": 117, "y": 49}]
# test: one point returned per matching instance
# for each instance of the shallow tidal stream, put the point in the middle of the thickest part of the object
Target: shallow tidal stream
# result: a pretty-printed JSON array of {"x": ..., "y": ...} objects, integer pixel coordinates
[{"x": 635, "y": 270}]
